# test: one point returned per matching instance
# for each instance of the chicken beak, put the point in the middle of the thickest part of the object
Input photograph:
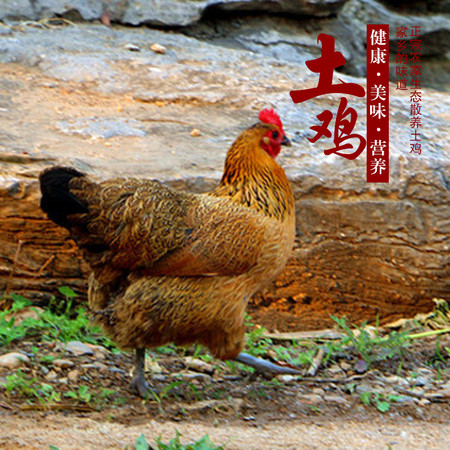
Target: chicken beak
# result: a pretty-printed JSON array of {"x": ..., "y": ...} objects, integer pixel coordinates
[{"x": 286, "y": 141}]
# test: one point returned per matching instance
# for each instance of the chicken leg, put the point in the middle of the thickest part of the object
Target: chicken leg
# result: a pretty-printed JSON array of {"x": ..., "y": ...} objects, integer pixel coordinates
[
  {"x": 143, "y": 389},
  {"x": 139, "y": 383}
]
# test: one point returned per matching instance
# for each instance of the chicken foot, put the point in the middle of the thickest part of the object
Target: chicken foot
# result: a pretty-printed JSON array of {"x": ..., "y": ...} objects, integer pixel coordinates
[
  {"x": 143, "y": 389},
  {"x": 139, "y": 383},
  {"x": 264, "y": 366}
]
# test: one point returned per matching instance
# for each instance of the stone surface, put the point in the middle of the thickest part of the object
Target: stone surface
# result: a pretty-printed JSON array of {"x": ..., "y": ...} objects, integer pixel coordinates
[
  {"x": 95, "y": 366},
  {"x": 73, "y": 375},
  {"x": 28, "y": 313},
  {"x": 198, "y": 365},
  {"x": 157, "y": 12},
  {"x": 17, "y": 9},
  {"x": 311, "y": 399},
  {"x": 445, "y": 391},
  {"x": 286, "y": 378},
  {"x": 285, "y": 29},
  {"x": 63, "y": 363},
  {"x": 77, "y": 348},
  {"x": 434, "y": 28},
  {"x": 13, "y": 360},
  {"x": 336, "y": 399},
  {"x": 104, "y": 128},
  {"x": 318, "y": 8},
  {"x": 52, "y": 376},
  {"x": 362, "y": 250}
]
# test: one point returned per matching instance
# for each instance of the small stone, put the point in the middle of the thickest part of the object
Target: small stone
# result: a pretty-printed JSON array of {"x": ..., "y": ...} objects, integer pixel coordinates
[
  {"x": 231, "y": 377},
  {"x": 395, "y": 379},
  {"x": 57, "y": 346},
  {"x": 361, "y": 366},
  {"x": 116, "y": 370},
  {"x": 198, "y": 365},
  {"x": 234, "y": 404},
  {"x": 195, "y": 132},
  {"x": 49, "y": 85},
  {"x": 445, "y": 390},
  {"x": 77, "y": 348},
  {"x": 99, "y": 351},
  {"x": 345, "y": 366},
  {"x": 362, "y": 388},
  {"x": 51, "y": 376},
  {"x": 73, "y": 375},
  {"x": 63, "y": 380},
  {"x": 152, "y": 366},
  {"x": 424, "y": 402},
  {"x": 27, "y": 313},
  {"x": 44, "y": 370},
  {"x": 335, "y": 370},
  {"x": 318, "y": 391},
  {"x": 310, "y": 399},
  {"x": 158, "y": 377},
  {"x": 405, "y": 399},
  {"x": 336, "y": 399},
  {"x": 194, "y": 376},
  {"x": 63, "y": 363},
  {"x": 95, "y": 366},
  {"x": 424, "y": 371},
  {"x": 417, "y": 391},
  {"x": 157, "y": 48},
  {"x": 434, "y": 396},
  {"x": 418, "y": 381},
  {"x": 96, "y": 348},
  {"x": 132, "y": 47},
  {"x": 286, "y": 378},
  {"x": 13, "y": 360}
]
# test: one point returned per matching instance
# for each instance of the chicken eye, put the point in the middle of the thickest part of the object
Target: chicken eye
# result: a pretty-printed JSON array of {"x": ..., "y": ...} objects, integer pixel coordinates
[{"x": 275, "y": 134}]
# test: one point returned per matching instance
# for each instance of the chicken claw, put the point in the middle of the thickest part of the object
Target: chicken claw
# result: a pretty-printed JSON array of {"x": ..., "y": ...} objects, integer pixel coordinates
[{"x": 263, "y": 365}]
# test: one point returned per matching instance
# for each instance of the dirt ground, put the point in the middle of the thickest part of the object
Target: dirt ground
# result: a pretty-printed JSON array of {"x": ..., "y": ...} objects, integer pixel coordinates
[
  {"x": 235, "y": 408},
  {"x": 86, "y": 433}
]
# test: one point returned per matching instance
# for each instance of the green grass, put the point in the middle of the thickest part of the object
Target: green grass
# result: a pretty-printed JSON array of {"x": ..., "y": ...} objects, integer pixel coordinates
[
  {"x": 23, "y": 385},
  {"x": 370, "y": 346},
  {"x": 19, "y": 384},
  {"x": 203, "y": 443},
  {"x": 380, "y": 401},
  {"x": 67, "y": 325}
]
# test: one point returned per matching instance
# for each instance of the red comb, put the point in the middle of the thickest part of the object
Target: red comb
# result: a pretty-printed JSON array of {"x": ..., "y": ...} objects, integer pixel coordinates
[{"x": 270, "y": 116}]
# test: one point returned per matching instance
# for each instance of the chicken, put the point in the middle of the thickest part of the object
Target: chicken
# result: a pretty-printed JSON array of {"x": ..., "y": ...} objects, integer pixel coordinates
[{"x": 170, "y": 266}]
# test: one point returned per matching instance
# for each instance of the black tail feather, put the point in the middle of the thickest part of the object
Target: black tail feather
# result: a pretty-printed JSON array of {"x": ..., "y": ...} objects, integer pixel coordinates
[{"x": 57, "y": 200}]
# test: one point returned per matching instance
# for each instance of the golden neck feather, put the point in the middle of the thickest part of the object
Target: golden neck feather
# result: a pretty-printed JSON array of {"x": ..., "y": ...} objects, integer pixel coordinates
[{"x": 253, "y": 178}]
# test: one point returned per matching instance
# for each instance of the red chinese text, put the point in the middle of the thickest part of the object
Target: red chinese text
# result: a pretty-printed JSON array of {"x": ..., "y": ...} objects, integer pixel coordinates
[{"x": 346, "y": 117}]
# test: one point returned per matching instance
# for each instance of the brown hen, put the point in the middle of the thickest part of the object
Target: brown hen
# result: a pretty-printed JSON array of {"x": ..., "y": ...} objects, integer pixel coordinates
[{"x": 171, "y": 266}]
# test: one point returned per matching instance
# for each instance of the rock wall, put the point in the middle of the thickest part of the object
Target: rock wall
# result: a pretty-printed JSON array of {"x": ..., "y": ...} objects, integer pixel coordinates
[
  {"x": 100, "y": 99},
  {"x": 285, "y": 29}
]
